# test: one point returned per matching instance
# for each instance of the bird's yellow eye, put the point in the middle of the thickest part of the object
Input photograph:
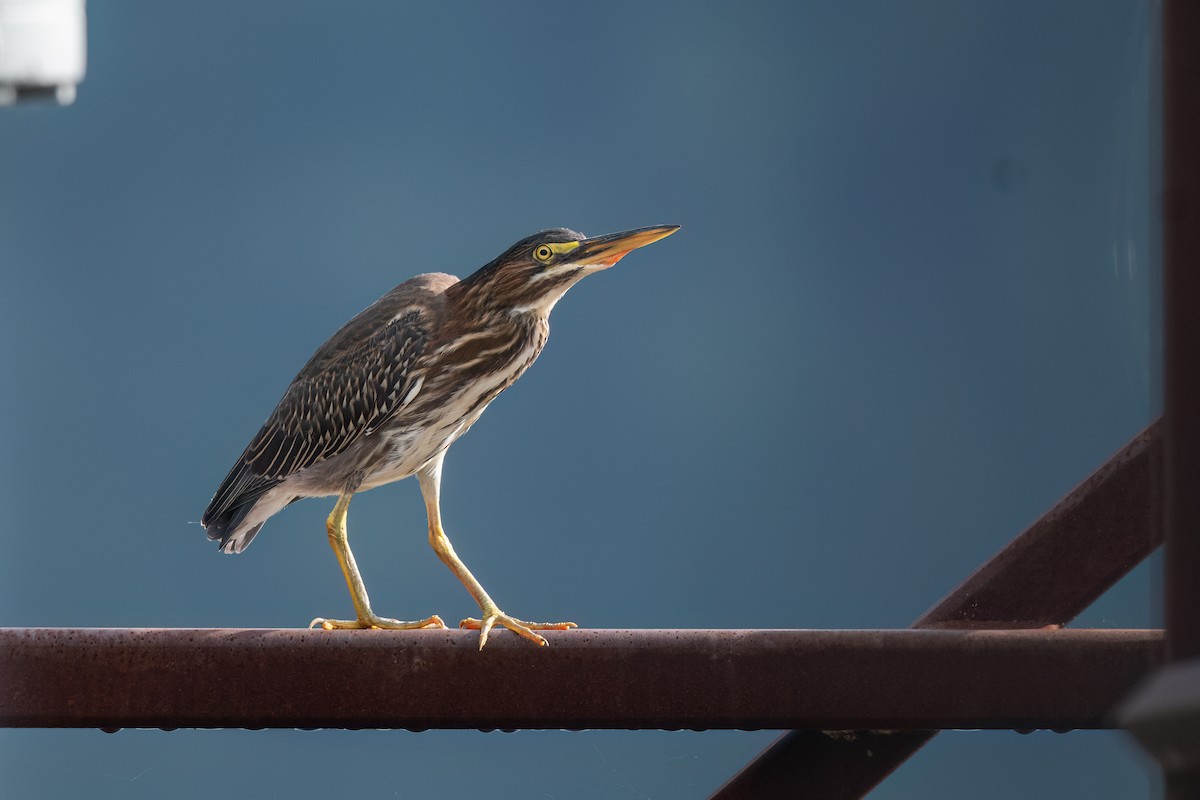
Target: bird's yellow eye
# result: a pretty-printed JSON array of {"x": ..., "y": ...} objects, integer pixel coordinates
[{"x": 543, "y": 252}]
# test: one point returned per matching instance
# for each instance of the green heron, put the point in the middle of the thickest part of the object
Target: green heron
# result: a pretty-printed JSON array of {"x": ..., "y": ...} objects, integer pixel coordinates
[{"x": 392, "y": 390}]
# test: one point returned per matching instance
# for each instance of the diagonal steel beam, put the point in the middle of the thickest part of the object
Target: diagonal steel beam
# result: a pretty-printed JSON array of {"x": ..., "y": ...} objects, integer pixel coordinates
[{"x": 1045, "y": 577}]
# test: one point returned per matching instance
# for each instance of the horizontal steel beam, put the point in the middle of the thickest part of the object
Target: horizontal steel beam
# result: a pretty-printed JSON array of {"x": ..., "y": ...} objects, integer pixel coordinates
[{"x": 827, "y": 680}]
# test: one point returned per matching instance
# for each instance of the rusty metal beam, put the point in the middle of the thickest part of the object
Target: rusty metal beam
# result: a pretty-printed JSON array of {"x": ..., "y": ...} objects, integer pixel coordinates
[
  {"x": 1090, "y": 539},
  {"x": 1181, "y": 318},
  {"x": 1070, "y": 556},
  {"x": 893, "y": 679},
  {"x": 1165, "y": 714}
]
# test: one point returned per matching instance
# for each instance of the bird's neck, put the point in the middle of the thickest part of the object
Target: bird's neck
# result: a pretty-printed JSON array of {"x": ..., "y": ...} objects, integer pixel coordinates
[{"x": 490, "y": 336}]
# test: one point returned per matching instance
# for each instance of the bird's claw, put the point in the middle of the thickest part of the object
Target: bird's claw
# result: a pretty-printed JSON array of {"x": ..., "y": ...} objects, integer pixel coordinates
[
  {"x": 372, "y": 621},
  {"x": 517, "y": 626}
]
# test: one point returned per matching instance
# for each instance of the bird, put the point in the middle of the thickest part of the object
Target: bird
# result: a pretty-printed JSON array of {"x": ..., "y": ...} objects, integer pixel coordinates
[{"x": 385, "y": 397}]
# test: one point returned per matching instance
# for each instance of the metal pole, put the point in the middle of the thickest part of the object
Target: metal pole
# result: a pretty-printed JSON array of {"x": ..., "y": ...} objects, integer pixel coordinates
[
  {"x": 1181, "y": 308},
  {"x": 639, "y": 679},
  {"x": 1165, "y": 714}
]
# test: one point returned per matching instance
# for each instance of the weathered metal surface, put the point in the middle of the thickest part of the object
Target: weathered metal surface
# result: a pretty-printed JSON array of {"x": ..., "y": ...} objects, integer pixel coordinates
[
  {"x": 586, "y": 679},
  {"x": 1165, "y": 714},
  {"x": 1181, "y": 323},
  {"x": 1046, "y": 576}
]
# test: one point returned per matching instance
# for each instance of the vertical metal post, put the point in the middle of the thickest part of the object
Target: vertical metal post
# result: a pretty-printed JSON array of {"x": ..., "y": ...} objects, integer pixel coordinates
[
  {"x": 1181, "y": 311},
  {"x": 1165, "y": 714}
]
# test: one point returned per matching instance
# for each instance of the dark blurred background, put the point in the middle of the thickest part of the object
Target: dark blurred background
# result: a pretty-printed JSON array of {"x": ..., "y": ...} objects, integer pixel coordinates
[{"x": 912, "y": 304}]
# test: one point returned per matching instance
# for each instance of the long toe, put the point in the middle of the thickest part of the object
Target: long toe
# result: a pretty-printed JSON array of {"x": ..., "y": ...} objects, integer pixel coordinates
[
  {"x": 518, "y": 626},
  {"x": 372, "y": 621}
]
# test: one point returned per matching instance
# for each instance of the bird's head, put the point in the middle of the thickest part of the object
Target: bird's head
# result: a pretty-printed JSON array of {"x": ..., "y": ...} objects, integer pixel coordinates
[{"x": 535, "y": 272}]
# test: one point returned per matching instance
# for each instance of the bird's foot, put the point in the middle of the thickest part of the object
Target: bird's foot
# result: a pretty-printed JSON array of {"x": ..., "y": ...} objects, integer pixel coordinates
[
  {"x": 372, "y": 621},
  {"x": 520, "y": 627}
]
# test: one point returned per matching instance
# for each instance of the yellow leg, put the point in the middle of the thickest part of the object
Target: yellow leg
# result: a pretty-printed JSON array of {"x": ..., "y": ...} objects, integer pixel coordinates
[
  {"x": 431, "y": 481},
  {"x": 339, "y": 541}
]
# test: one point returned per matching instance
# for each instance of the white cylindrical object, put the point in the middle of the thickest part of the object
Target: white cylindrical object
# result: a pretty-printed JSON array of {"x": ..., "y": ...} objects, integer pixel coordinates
[{"x": 43, "y": 48}]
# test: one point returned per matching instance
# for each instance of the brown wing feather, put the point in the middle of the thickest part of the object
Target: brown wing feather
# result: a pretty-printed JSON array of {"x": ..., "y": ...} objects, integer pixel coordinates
[
  {"x": 326, "y": 410},
  {"x": 354, "y": 383}
]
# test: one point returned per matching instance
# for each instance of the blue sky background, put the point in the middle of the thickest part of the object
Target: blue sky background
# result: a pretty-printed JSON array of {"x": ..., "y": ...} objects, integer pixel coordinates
[{"x": 910, "y": 308}]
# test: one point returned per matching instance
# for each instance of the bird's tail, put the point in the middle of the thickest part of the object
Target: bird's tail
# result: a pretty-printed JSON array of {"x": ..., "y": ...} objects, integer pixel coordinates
[
  {"x": 240, "y": 507},
  {"x": 230, "y": 527}
]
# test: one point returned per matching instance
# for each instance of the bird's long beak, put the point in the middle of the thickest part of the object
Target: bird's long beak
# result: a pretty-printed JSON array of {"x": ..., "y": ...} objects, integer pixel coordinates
[{"x": 604, "y": 251}]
